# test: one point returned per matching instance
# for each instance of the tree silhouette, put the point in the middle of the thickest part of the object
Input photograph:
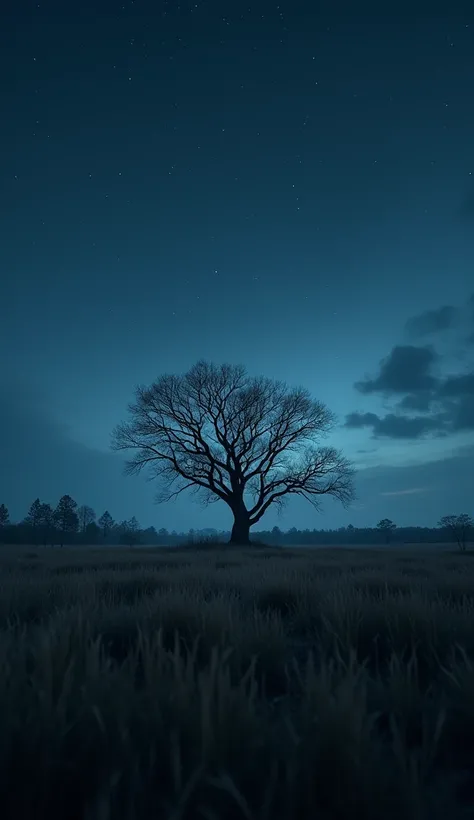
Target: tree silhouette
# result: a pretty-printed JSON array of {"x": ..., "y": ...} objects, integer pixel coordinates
[
  {"x": 250, "y": 442},
  {"x": 34, "y": 519},
  {"x": 86, "y": 516},
  {"x": 92, "y": 533},
  {"x": 387, "y": 527},
  {"x": 130, "y": 532},
  {"x": 46, "y": 522},
  {"x": 65, "y": 517},
  {"x": 106, "y": 522},
  {"x": 459, "y": 526},
  {"x": 4, "y": 515}
]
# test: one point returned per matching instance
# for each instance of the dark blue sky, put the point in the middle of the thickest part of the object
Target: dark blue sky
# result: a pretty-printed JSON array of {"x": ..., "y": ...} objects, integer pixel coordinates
[{"x": 272, "y": 184}]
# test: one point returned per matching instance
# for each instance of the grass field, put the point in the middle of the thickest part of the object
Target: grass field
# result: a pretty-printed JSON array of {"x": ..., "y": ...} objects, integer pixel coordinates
[{"x": 271, "y": 684}]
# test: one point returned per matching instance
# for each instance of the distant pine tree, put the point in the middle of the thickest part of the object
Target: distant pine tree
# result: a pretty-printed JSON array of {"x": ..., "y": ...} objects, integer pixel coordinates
[
  {"x": 4, "y": 515},
  {"x": 106, "y": 523},
  {"x": 66, "y": 518}
]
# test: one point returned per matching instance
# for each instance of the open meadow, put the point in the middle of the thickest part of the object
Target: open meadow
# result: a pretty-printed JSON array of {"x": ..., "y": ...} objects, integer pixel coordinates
[{"x": 229, "y": 684}]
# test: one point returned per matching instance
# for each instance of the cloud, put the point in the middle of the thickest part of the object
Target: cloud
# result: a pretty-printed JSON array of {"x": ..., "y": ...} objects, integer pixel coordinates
[
  {"x": 460, "y": 385},
  {"x": 448, "y": 410},
  {"x": 418, "y": 402},
  {"x": 454, "y": 415},
  {"x": 463, "y": 414},
  {"x": 456, "y": 393},
  {"x": 407, "y": 369},
  {"x": 396, "y": 426},
  {"x": 432, "y": 321},
  {"x": 361, "y": 420},
  {"x": 424, "y": 404},
  {"x": 410, "y": 491}
]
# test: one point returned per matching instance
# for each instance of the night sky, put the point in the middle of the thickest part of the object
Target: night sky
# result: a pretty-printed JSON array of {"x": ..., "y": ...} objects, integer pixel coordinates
[{"x": 273, "y": 184}]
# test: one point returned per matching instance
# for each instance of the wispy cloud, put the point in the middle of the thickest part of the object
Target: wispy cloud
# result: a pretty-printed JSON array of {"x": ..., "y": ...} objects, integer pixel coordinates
[{"x": 411, "y": 491}]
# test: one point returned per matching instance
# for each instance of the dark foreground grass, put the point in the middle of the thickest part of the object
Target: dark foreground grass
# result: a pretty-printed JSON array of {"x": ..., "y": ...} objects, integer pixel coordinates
[{"x": 223, "y": 684}]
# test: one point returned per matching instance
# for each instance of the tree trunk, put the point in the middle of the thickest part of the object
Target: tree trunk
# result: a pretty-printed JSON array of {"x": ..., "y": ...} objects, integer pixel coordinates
[{"x": 241, "y": 528}]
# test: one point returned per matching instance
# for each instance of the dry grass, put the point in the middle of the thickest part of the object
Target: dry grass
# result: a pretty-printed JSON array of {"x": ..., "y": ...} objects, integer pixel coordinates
[{"x": 258, "y": 683}]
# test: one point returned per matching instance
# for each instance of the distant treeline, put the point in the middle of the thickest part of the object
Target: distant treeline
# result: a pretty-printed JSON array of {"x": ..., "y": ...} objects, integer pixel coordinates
[{"x": 68, "y": 523}]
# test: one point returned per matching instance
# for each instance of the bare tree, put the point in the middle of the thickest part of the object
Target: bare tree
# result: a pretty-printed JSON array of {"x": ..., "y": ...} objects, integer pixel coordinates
[
  {"x": 460, "y": 528},
  {"x": 250, "y": 442},
  {"x": 86, "y": 516}
]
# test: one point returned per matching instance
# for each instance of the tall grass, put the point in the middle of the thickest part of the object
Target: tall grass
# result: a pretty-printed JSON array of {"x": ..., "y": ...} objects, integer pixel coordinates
[{"x": 220, "y": 683}]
